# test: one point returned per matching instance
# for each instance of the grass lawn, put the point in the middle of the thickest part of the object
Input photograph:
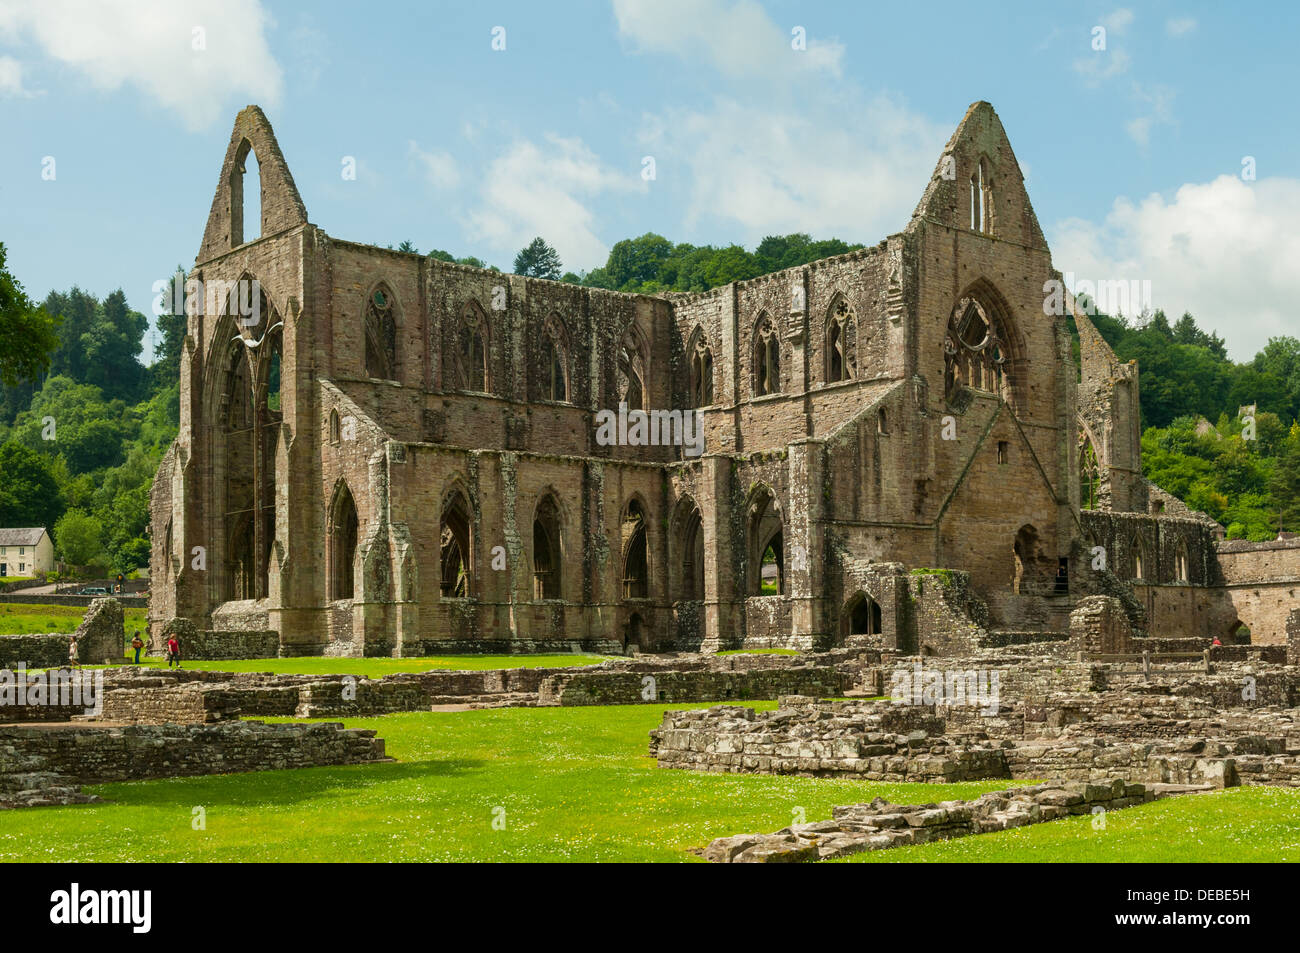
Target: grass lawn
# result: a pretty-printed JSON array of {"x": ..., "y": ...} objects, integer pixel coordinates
[
  {"x": 21, "y": 619},
  {"x": 1238, "y": 825},
  {"x": 575, "y": 784},
  {"x": 376, "y": 667}
]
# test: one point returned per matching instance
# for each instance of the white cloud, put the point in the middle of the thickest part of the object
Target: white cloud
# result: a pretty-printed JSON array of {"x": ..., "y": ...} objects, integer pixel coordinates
[
  {"x": 11, "y": 80},
  {"x": 1223, "y": 250},
  {"x": 1100, "y": 65},
  {"x": 151, "y": 45},
  {"x": 544, "y": 189},
  {"x": 778, "y": 172},
  {"x": 1178, "y": 26},
  {"x": 440, "y": 168},
  {"x": 737, "y": 38},
  {"x": 1157, "y": 103}
]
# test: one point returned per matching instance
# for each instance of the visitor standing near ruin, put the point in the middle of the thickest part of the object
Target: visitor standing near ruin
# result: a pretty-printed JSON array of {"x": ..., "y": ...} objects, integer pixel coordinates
[
  {"x": 72, "y": 653},
  {"x": 173, "y": 651},
  {"x": 137, "y": 643}
]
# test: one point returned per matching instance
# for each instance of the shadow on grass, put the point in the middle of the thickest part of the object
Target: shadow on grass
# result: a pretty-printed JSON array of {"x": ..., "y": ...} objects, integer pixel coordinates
[{"x": 279, "y": 787}]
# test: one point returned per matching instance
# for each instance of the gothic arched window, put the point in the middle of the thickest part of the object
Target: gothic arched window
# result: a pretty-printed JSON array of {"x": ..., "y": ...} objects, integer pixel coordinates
[
  {"x": 767, "y": 357},
  {"x": 841, "y": 342},
  {"x": 554, "y": 362},
  {"x": 381, "y": 336},
  {"x": 701, "y": 359},
  {"x": 975, "y": 354},
  {"x": 632, "y": 371},
  {"x": 469, "y": 368},
  {"x": 981, "y": 199}
]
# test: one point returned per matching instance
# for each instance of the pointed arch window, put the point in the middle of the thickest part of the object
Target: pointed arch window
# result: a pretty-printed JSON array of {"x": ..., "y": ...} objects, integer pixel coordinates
[
  {"x": 975, "y": 354},
  {"x": 342, "y": 543},
  {"x": 767, "y": 357},
  {"x": 632, "y": 371},
  {"x": 1180, "y": 562},
  {"x": 766, "y": 547},
  {"x": 381, "y": 336},
  {"x": 701, "y": 358},
  {"x": 469, "y": 370},
  {"x": 981, "y": 199},
  {"x": 454, "y": 547},
  {"x": 841, "y": 342},
  {"x": 636, "y": 576},
  {"x": 862, "y": 616},
  {"x": 690, "y": 554},
  {"x": 1089, "y": 474},
  {"x": 547, "y": 552},
  {"x": 554, "y": 362},
  {"x": 1139, "y": 557}
]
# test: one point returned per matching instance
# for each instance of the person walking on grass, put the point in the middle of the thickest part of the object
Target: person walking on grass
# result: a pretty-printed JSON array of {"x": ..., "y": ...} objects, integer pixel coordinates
[
  {"x": 72, "y": 653},
  {"x": 173, "y": 651},
  {"x": 137, "y": 643}
]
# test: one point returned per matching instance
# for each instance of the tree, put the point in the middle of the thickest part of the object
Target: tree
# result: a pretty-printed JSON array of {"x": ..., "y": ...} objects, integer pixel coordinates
[
  {"x": 80, "y": 537},
  {"x": 31, "y": 494},
  {"x": 28, "y": 335},
  {"x": 538, "y": 260},
  {"x": 408, "y": 247}
]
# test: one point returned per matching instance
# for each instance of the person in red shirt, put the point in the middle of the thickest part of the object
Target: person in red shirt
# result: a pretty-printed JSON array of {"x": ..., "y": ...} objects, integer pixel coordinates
[
  {"x": 1216, "y": 641},
  {"x": 173, "y": 651}
]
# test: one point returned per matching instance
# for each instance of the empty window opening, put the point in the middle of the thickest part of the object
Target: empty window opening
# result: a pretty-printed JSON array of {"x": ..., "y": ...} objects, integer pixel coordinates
[
  {"x": 841, "y": 342},
  {"x": 701, "y": 371},
  {"x": 454, "y": 535},
  {"x": 767, "y": 358},
  {"x": 342, "y": 543},
  {"x": 546, "y": 550},
  {"x": 635, "y": 565},
  {"x": 863, "y": 616},
  {"x": 245, "y": 197}
]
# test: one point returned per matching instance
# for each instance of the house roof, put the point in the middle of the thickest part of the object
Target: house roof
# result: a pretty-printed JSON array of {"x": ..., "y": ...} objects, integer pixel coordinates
[{"x": 21, "y": 536}]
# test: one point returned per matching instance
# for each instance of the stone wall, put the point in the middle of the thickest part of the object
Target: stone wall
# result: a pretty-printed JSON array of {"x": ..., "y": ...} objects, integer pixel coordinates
[
  {"x": 1262, "y": 582},
  {"x": 62, "y": 758},
  {"x": 1099, "y": 626},
  {"x": 101, "y": 636},
  {"x": 231, "y": 644},
  {"x": 35, "y": 651},
  {"x": 634, "y": 688}
]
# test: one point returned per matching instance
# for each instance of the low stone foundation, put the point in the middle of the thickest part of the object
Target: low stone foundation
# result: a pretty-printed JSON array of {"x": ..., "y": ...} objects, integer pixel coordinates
[
  {"x": 881, "y": 825},
  {"x": 46, "y": 765},
  {"x": 34, "y": 651}
]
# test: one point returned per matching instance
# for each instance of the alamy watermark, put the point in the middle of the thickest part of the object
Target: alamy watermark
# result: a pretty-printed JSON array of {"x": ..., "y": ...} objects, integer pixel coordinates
[
  {"x": 53, "y": 687},
  {"x": 977, "y": 688},
  {"x": 655, "y": 428}
]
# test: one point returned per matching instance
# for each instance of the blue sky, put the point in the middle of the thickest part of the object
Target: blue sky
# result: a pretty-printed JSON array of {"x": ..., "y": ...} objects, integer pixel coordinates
[{"x": 1134, "y": 153}]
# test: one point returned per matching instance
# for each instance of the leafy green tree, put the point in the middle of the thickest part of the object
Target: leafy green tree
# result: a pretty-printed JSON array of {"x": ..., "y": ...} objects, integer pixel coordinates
[
  {"x": 28, "y": 335},
  {"x": 538, "y": 260},
  {"x": 80, "y": 537},
  {"x": 31, "y": 494}
]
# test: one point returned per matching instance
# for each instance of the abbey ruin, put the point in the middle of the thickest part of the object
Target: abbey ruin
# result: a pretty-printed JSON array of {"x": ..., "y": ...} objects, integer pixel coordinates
[{"x": 381, "y": 453}]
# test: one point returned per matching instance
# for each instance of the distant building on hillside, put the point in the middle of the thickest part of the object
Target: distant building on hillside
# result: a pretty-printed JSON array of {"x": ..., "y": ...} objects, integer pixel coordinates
[{"x": 25, "y": 551}]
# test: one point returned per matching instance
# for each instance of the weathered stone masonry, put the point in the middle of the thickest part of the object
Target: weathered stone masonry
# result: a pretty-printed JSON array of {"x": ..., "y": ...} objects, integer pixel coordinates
[{"x": 397, "y": 456}]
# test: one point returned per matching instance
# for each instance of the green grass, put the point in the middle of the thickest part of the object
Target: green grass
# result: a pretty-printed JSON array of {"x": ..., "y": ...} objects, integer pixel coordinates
[
  {"x": 374, "y": 667},
  {"x": 36, "y": 619},
  {"x": 1239, "y": 825},
  {"x": 574, "y": 783}
]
